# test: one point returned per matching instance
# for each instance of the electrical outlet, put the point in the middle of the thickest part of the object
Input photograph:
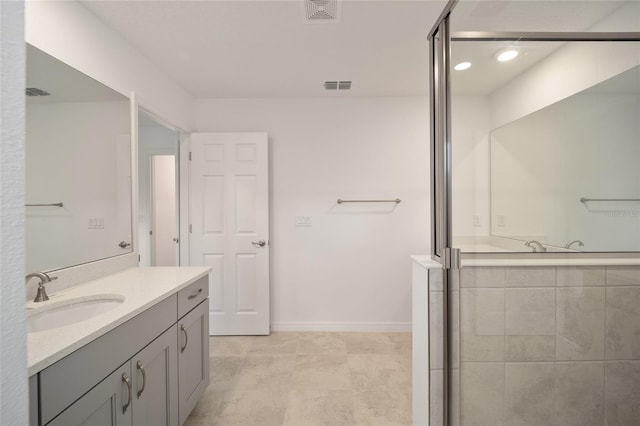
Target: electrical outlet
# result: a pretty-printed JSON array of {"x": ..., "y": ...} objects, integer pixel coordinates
[
  {"x": 303, "y": 221},
  {"x": 476, "y": 220},
  {"x": 501, "y": 220},
  {"x": 96, "y": 223}
]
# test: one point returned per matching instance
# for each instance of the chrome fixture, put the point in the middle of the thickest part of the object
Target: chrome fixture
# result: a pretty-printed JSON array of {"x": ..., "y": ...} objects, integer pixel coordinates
[
  {"x": 260, "y": 243},
  {"x": 580, "y": 243},
  {"x": 397, "y": 201},
  {"x": 536, "y": 246},
  {"x": 586, "y": 200},
  {"x": 41, "y": 295},
  {"x": 45, "y": 205}
]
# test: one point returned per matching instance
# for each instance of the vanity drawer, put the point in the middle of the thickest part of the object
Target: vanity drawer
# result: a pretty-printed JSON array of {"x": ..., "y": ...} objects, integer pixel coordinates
[{"x": 190, "y": 297}]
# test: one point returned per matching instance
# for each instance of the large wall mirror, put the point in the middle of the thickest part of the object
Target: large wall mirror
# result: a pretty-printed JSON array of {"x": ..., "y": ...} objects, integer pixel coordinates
[
  {"x": 567, "y": 175},
  {"x": 546, "y": 146},
  {"x": 78, "y": 167}
]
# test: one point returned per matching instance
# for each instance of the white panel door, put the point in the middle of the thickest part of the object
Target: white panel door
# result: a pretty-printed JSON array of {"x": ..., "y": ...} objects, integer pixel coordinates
[{"x": 230, "y": 228}]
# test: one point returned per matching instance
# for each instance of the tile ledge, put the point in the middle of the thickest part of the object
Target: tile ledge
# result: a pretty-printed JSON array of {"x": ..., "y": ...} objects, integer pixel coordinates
[
  {"x": 425, "y": 261},
  {"x": 552, "y": 262}
]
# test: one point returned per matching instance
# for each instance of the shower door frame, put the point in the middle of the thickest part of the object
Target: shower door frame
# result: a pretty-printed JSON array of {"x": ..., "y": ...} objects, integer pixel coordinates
[{"x": 440, "y": 38}]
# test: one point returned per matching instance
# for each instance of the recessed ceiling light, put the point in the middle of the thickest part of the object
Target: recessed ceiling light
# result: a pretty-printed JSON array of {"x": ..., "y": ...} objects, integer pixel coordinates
[
  {"x": 506, "y": 55},
  {"x": 462, "y": 66}
]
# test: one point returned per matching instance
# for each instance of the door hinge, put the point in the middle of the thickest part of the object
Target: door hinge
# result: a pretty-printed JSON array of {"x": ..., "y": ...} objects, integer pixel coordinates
[
  {"x": 190, "y": 156},
  {"x": 452, "y": 258},
  {"x": 190, "y": 228}
]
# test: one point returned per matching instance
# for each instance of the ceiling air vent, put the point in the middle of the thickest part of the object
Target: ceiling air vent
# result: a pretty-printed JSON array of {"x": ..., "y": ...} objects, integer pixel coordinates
[
  {"x": 330, "y": 85},
  {"x": 337, "y": 85},
  {"x": 32, "y": 91},
  {"x": 321, "y": 10}
]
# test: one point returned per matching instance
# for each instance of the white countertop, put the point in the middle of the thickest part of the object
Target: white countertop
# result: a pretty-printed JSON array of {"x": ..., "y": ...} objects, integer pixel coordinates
[{"x": 141, "y": 287}]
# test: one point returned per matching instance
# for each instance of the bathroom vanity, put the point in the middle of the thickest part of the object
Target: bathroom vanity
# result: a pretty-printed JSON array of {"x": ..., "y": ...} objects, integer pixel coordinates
[{"x": 143, "y": 362}]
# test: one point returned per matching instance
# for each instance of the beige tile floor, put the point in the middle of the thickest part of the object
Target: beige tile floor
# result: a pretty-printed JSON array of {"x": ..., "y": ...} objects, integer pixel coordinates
[{"x": 308, "y": 379}]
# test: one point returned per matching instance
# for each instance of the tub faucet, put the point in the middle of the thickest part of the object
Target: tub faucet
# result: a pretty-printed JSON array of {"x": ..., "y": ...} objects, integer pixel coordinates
[
  {"x": 580, "y": 244},
  {"x": 41, "y": 295},
  {"x": 536, "y": 246}
]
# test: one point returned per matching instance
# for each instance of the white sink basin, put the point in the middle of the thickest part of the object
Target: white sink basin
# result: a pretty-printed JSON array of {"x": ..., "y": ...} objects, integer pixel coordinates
[{"x": 54, "y": 314}]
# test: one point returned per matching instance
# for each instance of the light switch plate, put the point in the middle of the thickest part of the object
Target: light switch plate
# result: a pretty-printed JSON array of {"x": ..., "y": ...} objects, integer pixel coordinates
[{"x": 303, "y": 221}]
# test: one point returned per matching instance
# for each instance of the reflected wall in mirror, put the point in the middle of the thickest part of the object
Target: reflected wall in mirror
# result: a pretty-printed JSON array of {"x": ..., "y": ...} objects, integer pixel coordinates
[
  {"x": 78, "y": 153},
  {"x": 533, "y": 136},
  {"x": 544, "y": 165}
]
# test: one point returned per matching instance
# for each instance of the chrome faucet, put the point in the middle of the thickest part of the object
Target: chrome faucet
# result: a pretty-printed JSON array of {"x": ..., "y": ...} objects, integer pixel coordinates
[
  {"x": 41, "y": 295},
  {"x": 580, "y": 244},
  {"x": 536, "y": 246}
]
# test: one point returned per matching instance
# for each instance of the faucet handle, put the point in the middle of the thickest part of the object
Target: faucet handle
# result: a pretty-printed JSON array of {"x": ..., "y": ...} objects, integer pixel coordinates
[{"x": 41, "y": 295}]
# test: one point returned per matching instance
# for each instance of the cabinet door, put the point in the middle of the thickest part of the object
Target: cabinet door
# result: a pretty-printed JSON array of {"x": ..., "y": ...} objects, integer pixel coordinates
[
  {"x": 108, "y": 404},
  {"x": 155, "y": 382},
  {"x": 193, "y": 358}
]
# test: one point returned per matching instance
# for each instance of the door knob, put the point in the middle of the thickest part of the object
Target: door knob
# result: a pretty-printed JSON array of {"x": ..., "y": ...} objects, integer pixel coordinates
[
  {"x": 124, "y": 244},
  {"x": 176, "y": 240},
  {"x": 260, "y": 243}
]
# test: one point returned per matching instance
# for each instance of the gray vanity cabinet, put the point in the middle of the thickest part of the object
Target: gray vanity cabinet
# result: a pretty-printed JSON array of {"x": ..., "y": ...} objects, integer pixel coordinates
[
  {"x": 107, "y": 404},
  {"x": 149, "y": 371},
  {"x": 193, "y": 357},
  {"x": 144, "y": 391}
]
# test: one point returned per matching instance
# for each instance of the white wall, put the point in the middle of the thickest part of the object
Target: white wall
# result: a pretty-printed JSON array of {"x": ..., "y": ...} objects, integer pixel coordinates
[
  {"x": 69, "y": 32},
  {"x": 13, "y": 344},
  {"x": 543, "y": 167},
  {"x": 72, "y": 157},
  {"x": 350, "y": 269}
]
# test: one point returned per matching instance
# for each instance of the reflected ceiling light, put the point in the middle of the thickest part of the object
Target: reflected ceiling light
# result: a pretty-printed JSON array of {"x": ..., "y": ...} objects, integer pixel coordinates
[
  {"x": 462, "y": 66},
  {"x": 506, "y": 55}
]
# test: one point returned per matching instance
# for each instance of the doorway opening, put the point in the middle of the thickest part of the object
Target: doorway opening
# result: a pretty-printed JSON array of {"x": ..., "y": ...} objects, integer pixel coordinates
[{"x": 159, "y": 193}]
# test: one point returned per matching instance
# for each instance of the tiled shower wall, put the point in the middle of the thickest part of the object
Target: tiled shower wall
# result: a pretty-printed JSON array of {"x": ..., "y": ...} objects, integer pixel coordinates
[{"x": 541, "y": 346}]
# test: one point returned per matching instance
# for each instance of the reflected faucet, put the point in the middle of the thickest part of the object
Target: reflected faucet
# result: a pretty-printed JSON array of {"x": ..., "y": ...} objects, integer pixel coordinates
[
  {"x": 580, "y": 244},
  {"x": 41, "y": 295},
  {"x": 536, "y": 246}
]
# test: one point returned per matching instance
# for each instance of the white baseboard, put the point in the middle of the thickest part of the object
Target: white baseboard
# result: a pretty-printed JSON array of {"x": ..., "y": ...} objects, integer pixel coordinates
[{"x": 341, "y": 326}]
